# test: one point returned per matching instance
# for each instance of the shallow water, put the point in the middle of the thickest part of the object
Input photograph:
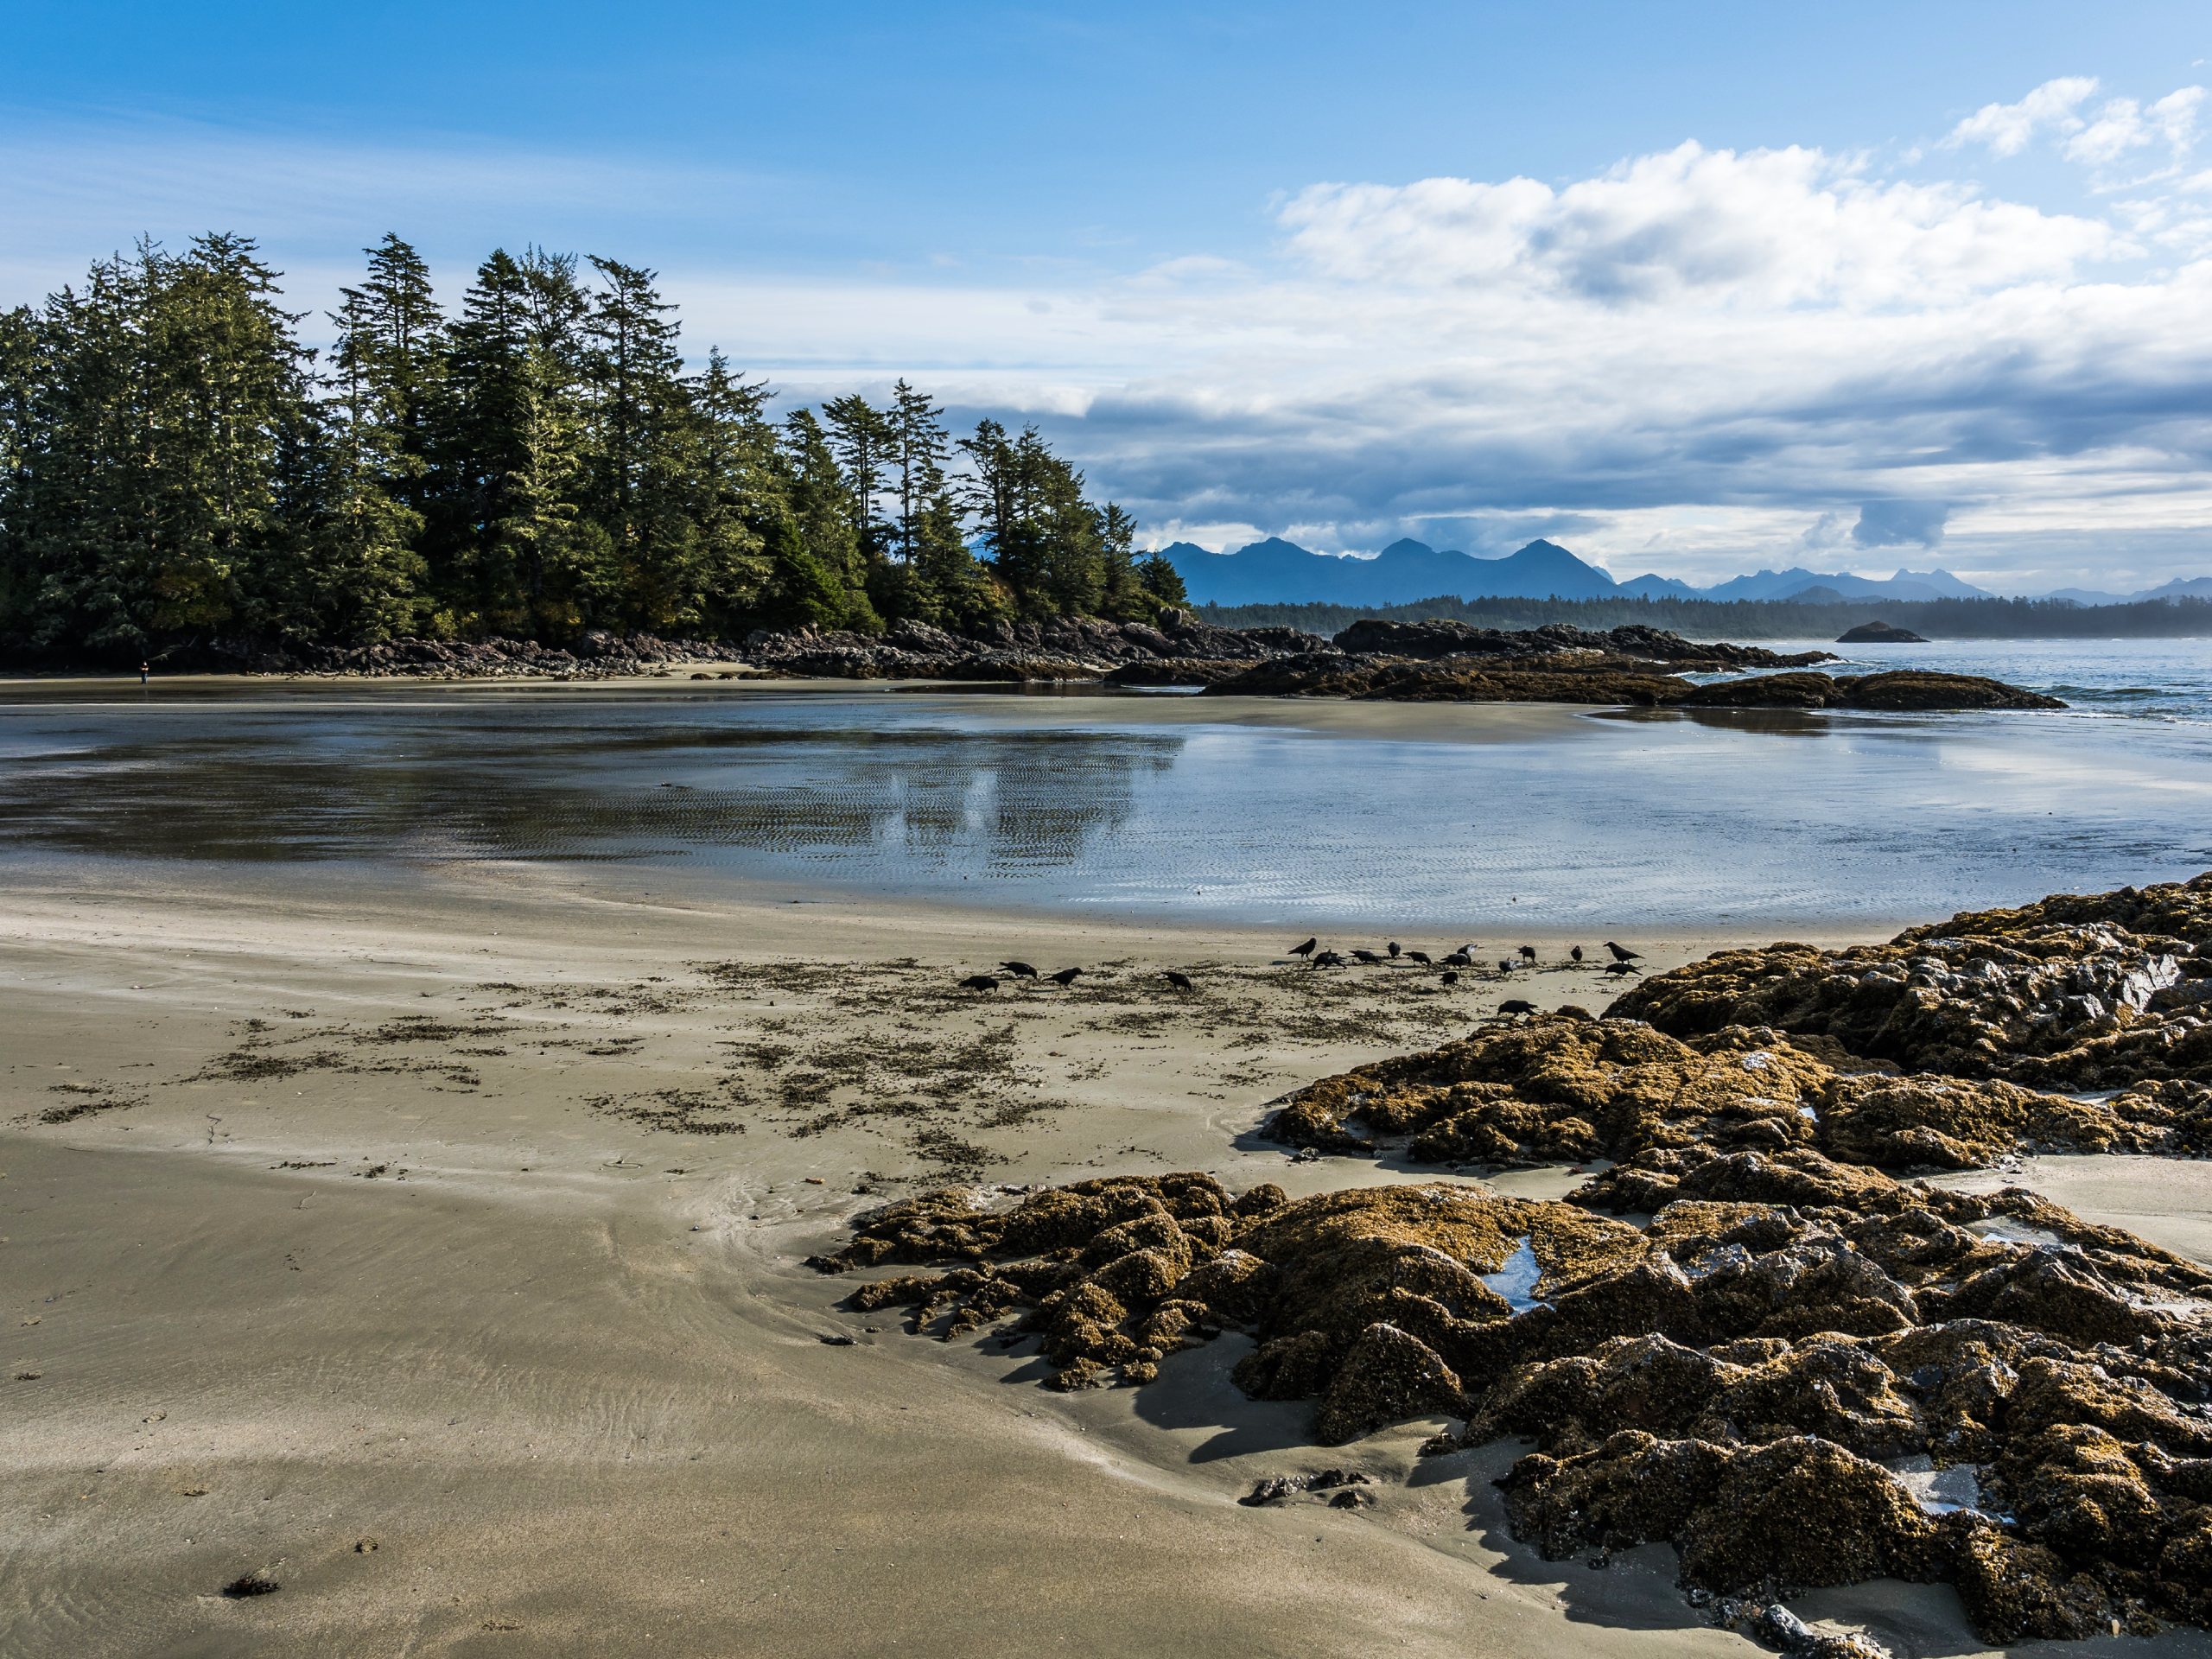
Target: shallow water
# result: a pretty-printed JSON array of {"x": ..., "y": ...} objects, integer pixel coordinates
[
  {"x": 2148, "y": 679},
  {"x": 1226, "y": 812}
]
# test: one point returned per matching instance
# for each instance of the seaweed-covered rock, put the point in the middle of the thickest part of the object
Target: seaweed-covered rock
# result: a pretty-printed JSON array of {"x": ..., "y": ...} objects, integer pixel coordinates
[
  {"x": 2108, "y": 991},
  {"x": 1564, "y": 1088},
  {"x": 1750, "y": 1374}
]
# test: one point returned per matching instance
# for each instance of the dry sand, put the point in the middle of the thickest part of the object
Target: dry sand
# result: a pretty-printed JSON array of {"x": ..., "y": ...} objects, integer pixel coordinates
[{"x": 402, "y": 1244}]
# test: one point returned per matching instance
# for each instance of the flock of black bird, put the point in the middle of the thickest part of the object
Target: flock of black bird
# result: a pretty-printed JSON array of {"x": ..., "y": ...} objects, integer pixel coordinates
[{"x": 1310, "y": 952}]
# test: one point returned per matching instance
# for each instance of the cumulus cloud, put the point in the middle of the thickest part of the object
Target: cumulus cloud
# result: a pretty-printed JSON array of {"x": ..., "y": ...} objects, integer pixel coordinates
[
  {"x": 2008, "y": 129},
  {"x": 1900, "y": 524},
  {"x": 2113, "y": 132},
  {"x": 1769, "y": 227}
]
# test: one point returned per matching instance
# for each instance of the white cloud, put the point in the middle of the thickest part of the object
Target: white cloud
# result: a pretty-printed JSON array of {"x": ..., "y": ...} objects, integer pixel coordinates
[
  {"x": 2124, "y": 125},
  {"x": 1770, "y": 226},
  {"x": 2008, "y": 129}
]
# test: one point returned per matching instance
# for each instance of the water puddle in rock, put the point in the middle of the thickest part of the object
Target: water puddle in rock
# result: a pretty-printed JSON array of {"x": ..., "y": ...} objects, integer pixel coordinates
[
  {"x": 1942, "y": 1492},
  {"x": 1517, "y": 1279}
]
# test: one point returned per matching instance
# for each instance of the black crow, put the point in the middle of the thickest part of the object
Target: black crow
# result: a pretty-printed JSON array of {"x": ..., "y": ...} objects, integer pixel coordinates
[
  {"x": 1367, "y": 956},
  {"x": 1576, "y": 953},
  {"x": 1065, "y": 978},
  {"x": 1420, "y": 957},
  {"x": 1621, "y": 953},
  {"x": 1528, "y": 953},
  {"x": 1616, "y": 969},
  {"x": 1304, "y": 950},
  {"x": 1459, "y": 959},
  {"x": 979, "y": 982},
  {"x": 1020, "y": 969},
  {"x": 1515, "y": 1005},
  {"x": 1506, "y": 965},
  {"x": 1394, "y": 947},
  {"x": 1329, "y": 959},
  {"x": 1180, "y": 981},
  {"x": 1449, "y": 977}
]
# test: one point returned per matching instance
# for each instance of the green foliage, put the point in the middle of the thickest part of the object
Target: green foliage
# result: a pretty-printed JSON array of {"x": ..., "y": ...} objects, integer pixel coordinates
[{"x": 177, "y": 468}]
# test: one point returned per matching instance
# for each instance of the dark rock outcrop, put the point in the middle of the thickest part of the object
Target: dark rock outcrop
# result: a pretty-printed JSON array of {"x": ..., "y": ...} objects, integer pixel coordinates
[
  {"x": 1428, "y": 640},
  {"x": 1879, "y": 633},
  {"x": 1901, "y": 691}
]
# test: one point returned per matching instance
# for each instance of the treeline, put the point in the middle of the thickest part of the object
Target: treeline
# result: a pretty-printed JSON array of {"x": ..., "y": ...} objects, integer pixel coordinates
[
  {"x": 176, "y": 466},
  {"x": 1705, "y": 619}
]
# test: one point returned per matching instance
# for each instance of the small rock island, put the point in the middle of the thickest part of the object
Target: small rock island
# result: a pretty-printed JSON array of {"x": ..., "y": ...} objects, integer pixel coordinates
[{"x": 1879, "y": 633}]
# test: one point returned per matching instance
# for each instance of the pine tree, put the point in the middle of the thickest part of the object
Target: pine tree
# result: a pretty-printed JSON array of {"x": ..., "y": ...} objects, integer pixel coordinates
[
  {"x": 515, "y": 554},
  {"x": 859, "y": 438},
  {"x": 393, "y": 340}
]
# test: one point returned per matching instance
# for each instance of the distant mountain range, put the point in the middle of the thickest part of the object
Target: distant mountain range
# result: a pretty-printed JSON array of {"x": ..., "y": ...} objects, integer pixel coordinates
[{"x": 1277, "y": 572}]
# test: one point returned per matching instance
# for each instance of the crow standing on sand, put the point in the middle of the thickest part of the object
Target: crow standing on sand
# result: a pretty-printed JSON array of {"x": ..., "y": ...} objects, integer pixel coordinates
[
  {"x": 1449, "y": 978},
  {"x": 1180, "y": 981},
  {"x": 1459, "y": 958},
  {"x": 1394, "y": 948},
  {"x": 1576, "y": 953},
  {"x": 1515, "y": 1005},
  {"x": 1328, "y": 959},
  {"x": 1420, "y": 957},
  {"x": 1304, "y": 950},
  {"x": 1621, "y": 953},
  {"x": 1020, "y": 969},
  {"x": 979, "y": 982},
  {"x": 1528, "y": 953},
  {"x": 1367, "y": 956},
  {"x": 1506, "y": 965},
  {"x": 1065, "y": 978},
  {"x": 1619, "y": 969}
]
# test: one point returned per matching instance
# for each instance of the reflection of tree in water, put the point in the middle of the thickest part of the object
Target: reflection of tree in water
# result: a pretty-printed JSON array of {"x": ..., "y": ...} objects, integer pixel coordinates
[{"x": 434, "y": 790}]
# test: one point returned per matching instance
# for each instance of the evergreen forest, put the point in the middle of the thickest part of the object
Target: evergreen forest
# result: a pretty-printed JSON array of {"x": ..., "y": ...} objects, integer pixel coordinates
[{"x": 540, "y": 459}]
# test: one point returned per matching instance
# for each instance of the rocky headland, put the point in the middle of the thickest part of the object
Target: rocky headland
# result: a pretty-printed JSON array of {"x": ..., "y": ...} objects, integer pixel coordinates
[
  {"x": 1754, "y": 1333},
  {"x": 1407, "y": 662}
]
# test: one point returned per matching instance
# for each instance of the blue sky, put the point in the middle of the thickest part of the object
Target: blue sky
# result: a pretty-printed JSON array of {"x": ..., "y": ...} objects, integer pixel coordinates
[{"x": 1688, "y": 289}]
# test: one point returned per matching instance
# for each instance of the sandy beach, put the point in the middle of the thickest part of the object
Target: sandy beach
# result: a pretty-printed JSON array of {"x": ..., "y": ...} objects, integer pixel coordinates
[
  {"x": 439, "y": 1333},
  {"x": 432, "y": 1243}
]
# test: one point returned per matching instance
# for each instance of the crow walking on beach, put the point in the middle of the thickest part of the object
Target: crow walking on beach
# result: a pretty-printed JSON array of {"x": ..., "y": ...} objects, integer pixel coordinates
[
  {"x": 979, "y": 982},
  {"x": 1459, "y": 958},
  {"x": 1515, "y": 1005},
  {"x": 1506, "y": 965},
  {"x": 1369, "y": 956},
  {"x": 1065, "y": 978},
  {"x": 1576, "y": 953},
  {"x": 1621, "y": 953},
  {"x": 1393, "y": 948},
  {"x": 1020, "y": 969},
  {"x": 1304, "y": 950},
  {"x": 1620, "y": 970},
  {"x": 1528, "y": 953},
  {"x": 1420, "y": 957},
  {"x": 1328, "y": 959},
  {"x": 1180, "y": 981},
  {"x": 1448, "y": 978}
]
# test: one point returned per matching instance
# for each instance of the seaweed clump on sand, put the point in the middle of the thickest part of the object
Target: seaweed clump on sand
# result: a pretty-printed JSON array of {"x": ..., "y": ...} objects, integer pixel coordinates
[
  {"x": 1568, "y": 1087},
  {"x": 2079, "y": 992},
  {"x": 1798, "y": 1372}
]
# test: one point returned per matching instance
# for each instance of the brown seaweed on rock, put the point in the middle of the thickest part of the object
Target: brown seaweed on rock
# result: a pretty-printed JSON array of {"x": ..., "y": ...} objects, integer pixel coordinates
[
  {"x": 1743, "y": 1375},
  {"x": 2105, "y": 991},
  {"x": 1565, "y": 1087}
]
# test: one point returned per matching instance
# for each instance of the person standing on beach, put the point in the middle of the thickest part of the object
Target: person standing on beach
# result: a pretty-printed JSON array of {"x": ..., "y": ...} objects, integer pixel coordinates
[{"x": 144, "y": 668}]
